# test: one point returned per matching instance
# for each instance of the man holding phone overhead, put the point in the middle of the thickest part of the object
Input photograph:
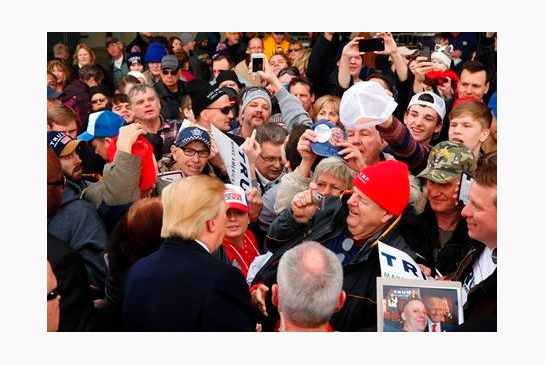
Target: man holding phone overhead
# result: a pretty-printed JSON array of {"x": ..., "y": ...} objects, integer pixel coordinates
[{"x": 371, "y": 44}]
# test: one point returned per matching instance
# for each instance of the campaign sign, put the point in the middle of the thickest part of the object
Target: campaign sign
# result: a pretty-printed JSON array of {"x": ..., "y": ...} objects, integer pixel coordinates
[
  {"x": 235, "y": 160},
  {"x": 397, "y": 264}
]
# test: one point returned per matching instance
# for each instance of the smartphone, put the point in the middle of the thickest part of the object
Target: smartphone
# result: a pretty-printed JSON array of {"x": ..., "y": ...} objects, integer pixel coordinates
[
  {"x": 426, "y": 52},
  {"x": 170, "y": 176},
  {"x": 371, "y": 44},
  {"x": 463, "y": 191},
  {"x": 318, "y": 199},
  {"x": 258, "y": 60}
]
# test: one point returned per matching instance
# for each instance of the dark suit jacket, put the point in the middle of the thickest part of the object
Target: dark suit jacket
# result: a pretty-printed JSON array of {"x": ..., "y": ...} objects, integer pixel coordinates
[
  {"x": 76, "y": 305},
  {"x": 445, "y": 327},
  {"x": 181, "y": 287}
]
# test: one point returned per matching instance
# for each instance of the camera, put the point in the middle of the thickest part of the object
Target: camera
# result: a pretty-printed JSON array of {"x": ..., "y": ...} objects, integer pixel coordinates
[
  {"x": 318, "y": 199},
  {"x": 258, "y": 60},
  {"x": 371, "y": 44}
]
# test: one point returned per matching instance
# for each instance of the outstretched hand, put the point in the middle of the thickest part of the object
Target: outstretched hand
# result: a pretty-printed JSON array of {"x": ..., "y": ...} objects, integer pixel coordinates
[{"x": 258, "y": 298}]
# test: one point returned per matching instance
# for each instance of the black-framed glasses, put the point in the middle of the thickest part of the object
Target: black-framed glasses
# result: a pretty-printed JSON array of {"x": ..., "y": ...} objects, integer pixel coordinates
[
  {"x": 224, "y": 110},
  {"x": 190, "y": 152},
  {"x": 271, "y": 159},
  {"x": 294, "y": 49},
  {"x": 61, "y": 182},
  {"x": 169, "y": 72},
  {"x": 55, "y": 292}
]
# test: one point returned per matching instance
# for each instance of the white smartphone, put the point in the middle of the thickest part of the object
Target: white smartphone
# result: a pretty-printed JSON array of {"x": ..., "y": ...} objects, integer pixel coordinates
[
  {"x": 463, "y": 191},
  {"x": 258, "y": 62}
]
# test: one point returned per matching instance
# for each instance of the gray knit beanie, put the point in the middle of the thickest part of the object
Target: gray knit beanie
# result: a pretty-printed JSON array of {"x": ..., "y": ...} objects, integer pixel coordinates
[{"x": 255, "y": 94}]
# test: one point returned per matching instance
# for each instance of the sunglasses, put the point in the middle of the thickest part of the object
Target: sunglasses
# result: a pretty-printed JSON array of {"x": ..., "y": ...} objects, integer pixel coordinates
[
  {"x": 96, "y": 101},
  {"x": 55, "y": 292},
  {"x": 167, "y": 72},
  {"x": 224, "y": 110},
  {"x": 61, "y": 182},
  {"x": 294, "y": 49}
]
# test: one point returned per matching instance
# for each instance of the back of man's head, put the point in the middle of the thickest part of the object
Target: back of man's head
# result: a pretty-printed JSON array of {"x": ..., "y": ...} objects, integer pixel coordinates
[
  {"x": 271, "y": 133},
  {"x": 310, "y": 279},
  {"x": 487, "y": 171},
  {"x": 88, "y": 72}
]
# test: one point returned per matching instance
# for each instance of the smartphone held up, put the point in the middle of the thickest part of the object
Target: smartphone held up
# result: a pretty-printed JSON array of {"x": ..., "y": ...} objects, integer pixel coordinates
[
  {"x": 258, "y": 62},
  {"x": 425, "y": 52},
  {"x": 371, "y": 44}
]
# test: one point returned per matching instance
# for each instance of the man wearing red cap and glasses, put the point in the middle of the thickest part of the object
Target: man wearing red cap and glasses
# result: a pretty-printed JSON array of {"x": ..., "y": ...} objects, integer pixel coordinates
[{"x": 351, "y": 229}]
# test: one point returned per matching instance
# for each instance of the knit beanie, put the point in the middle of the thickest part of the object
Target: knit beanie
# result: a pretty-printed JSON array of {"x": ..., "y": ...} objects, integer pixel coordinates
[
  {"x": 443, "y": 55},
  {"x": 155, "y": 52},
  {"x": 135, "y": 57},
  {"x": 387, "y": 184},
  {"x": 255, "y": 93},
  {"x": 442, "y": 58},
  {"x": 186, "y": 37}
]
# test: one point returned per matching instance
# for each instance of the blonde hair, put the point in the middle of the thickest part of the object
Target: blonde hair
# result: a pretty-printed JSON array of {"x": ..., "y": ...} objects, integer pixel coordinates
[
  {"x": 301, "y": 62},
  {"x": 61, "y": 115},
  {"x": 190, "y": 202},
  {"x": 88, "y": 49},
  {"x": 325, "y": 99},
  {"x": 473, "y": 109},
  {"x": 335, "y": 167}
]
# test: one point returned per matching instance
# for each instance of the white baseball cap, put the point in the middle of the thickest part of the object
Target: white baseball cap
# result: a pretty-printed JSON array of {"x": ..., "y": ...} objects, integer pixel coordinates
[{"x": 438, "y": 103}]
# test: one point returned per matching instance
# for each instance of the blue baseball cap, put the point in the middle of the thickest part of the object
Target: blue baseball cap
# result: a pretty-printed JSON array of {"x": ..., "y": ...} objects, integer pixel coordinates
[
  {"x": 190, "y": 134},
  {"x": 327, "y": 134},
  {"x": 62, "y": 144},
  {"x": 102, "y": 124}
]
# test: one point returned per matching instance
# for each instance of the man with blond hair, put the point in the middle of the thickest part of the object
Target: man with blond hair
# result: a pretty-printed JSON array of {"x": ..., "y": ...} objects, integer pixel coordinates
[{"x": 181, "y": 286}]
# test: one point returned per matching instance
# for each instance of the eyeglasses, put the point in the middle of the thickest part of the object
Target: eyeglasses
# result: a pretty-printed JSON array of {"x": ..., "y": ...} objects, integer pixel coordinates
[
  {"x": 61, "y": 182},
  {"x": 167, "y": 72},
  {"x": 272, "y": 159},
  {"x": 294, "y": 49},
  {"x": 190, "y": 152},
  {"x": 224, "y": 110},
  {"x": 96, "y": 101},
  {"x": 55, "y": 292}
]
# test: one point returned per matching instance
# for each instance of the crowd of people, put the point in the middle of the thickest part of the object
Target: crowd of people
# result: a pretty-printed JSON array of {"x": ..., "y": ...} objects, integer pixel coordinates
[{"x": 149, "y": 229}]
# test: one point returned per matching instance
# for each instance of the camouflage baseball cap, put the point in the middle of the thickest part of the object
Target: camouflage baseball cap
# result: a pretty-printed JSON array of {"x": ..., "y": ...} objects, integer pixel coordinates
[{"x": 447, "y": 161}]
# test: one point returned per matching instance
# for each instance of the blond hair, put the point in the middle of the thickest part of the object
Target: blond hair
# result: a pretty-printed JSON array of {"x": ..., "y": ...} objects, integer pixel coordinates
[
  {"x": 61, "y": 115},
  {"x": 301, "y": 62},
  {"x": 335, "y": 101},
  {"x": 190, "y": 202},
  {"x": 84, "y": 46},
  {"x": 473, "y": 109}
]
